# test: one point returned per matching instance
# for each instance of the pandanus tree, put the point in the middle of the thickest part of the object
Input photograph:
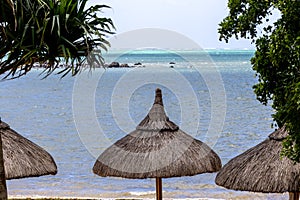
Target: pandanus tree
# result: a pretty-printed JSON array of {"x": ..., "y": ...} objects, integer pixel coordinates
[
  {"x": 49, "y": 33},
  {"x": 276, "y": 60}
]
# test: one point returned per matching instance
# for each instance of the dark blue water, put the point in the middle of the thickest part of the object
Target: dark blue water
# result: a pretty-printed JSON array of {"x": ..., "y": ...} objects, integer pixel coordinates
[{"x": 209, "y": 96}]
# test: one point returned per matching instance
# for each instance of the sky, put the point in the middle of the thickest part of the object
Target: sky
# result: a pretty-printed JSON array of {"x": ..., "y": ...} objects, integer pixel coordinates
[{"x": 195, "y": 19}]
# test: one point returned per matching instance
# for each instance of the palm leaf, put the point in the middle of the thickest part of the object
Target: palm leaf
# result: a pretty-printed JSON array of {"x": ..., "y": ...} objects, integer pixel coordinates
[{"x": 49, "y": 32}]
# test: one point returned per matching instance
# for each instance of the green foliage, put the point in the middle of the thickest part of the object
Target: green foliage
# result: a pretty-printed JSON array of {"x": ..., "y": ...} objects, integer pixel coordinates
[
  {"x": 51, "y": 33},
  {"x": 276, "y": 60}
]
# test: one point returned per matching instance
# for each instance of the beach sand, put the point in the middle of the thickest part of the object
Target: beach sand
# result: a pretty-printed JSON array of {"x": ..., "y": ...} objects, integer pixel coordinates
[{"x": 129, "y": 196}]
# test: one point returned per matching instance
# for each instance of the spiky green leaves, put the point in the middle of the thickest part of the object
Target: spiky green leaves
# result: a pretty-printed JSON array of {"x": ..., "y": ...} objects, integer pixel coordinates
[{"x": 51, "y": 33}]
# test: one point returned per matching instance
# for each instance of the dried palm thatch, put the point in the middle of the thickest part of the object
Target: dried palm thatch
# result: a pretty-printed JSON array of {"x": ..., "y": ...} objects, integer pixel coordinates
[
  {"x": 163, "y": 154},
  {"x": 157, "y": 149},
  {"x": 23, "y": 158},
  {"x": 261, "y": 169}
]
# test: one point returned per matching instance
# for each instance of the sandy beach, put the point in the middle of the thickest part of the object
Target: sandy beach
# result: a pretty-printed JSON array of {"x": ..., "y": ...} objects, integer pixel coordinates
[{"x": 151, "y": 196}]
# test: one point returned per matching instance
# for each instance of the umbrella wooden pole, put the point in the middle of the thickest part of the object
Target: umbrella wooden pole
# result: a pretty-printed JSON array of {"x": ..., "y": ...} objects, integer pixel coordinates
[
  {"x": 3, "y": 188},
  {"x": 158, "y": 189},
  {"x": 294, "y": 196}
]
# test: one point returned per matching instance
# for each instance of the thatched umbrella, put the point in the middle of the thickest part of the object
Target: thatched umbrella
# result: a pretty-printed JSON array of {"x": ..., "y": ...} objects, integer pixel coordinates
[
  {"x": 157, "y": 149},
  {"x": 19, "y": 158},
  {"x": 23, "y": 158},
  {"x": 261, "y": 169}
]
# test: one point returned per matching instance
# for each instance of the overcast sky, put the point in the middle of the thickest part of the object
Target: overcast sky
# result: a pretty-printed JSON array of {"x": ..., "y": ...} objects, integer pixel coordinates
[{"x": 196, "y": 19}]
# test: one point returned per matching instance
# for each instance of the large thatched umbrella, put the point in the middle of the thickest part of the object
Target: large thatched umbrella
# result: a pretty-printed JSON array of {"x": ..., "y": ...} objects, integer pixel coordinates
[
  {"x": 261, "y": 169},
  {"x": 157, "y": 149},
  {"x": 19, "y": 158}
]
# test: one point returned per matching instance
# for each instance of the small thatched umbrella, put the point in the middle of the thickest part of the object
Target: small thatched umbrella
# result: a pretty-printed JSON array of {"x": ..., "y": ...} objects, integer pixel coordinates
[
  {"x": 261, "y": 169},
  {"x": 157, "y": 149},
  {"x": 23, "y": 158}
]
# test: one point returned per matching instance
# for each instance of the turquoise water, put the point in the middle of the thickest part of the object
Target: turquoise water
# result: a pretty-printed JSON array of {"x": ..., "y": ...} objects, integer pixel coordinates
[{"x": 199, "y": 89}]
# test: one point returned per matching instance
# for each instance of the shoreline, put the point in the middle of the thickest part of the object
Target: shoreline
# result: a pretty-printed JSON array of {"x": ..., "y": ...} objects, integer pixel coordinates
[
  {"x": 38, "y": 197},
  {"x": 78, "y": 198},
  {"x": 230, "y": 196}
]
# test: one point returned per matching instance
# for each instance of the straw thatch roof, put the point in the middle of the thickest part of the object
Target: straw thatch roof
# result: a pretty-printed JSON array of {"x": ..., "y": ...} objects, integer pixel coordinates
[
  {"x": 23, "y": 158},
  {"x": 157, "y": 148},
  {"x": 261, "y": 169}
]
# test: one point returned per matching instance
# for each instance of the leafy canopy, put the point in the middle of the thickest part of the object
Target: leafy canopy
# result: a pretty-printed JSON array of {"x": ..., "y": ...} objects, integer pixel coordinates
[
  {"x": 276, "y": 60},
  {"x": 51, "y": 32}
]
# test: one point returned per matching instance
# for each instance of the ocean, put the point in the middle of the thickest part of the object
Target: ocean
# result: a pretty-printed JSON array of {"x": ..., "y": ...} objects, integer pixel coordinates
[{"x": 207, "y": 93}]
